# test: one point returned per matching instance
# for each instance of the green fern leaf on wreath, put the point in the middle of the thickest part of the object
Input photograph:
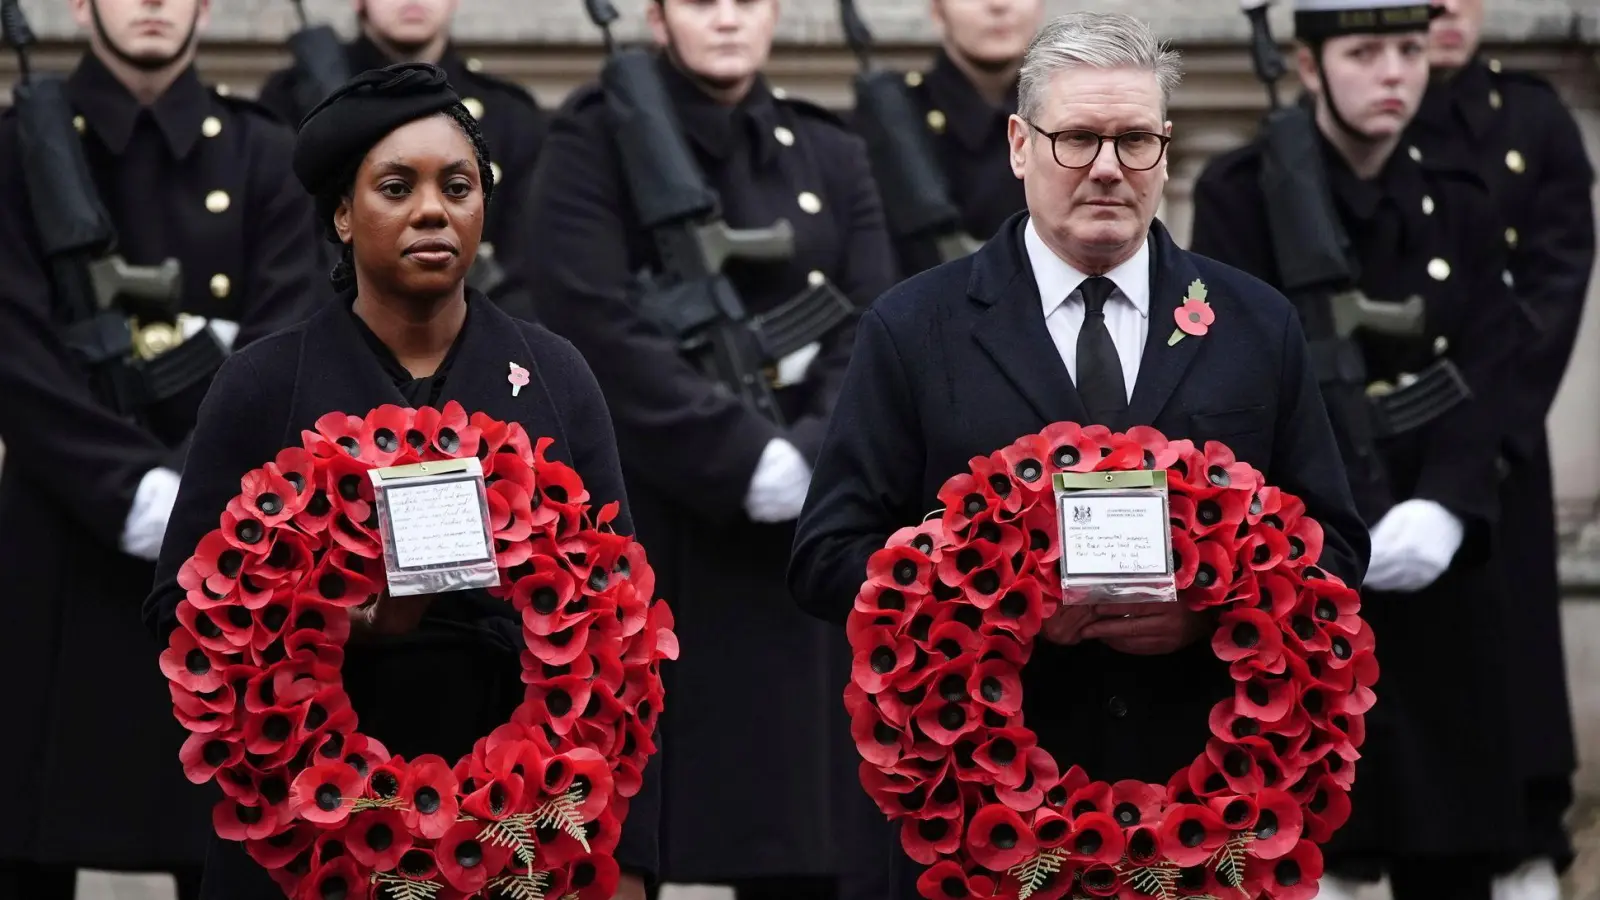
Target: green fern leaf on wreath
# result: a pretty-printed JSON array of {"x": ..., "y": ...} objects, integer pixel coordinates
[
  {"x": 527, "y": 886},
  {"x": 1033, "y": 873},
  {"x": 515, "y": 832},
  {"x": 563, "y": 814}
]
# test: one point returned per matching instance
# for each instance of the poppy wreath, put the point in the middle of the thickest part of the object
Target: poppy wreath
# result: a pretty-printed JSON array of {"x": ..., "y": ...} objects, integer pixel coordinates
[
  {"x": 537, "y": 808},
  {"x": 947, "y": 617}
]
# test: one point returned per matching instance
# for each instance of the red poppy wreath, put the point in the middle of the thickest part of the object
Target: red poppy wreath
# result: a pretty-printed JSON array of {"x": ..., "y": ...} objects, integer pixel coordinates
[
  {"x": 947, "y": 618},
  {"x": 254, "y": 671}
]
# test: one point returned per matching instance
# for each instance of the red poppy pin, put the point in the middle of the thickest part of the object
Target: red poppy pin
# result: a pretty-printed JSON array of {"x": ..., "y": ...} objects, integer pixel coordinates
[
  {"x": 518, "y": 379},
  {"x": 1195, "y": 315}
]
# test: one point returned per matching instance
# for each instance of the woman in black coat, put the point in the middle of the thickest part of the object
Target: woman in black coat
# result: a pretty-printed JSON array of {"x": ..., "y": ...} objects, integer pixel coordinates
[{"x": 402, "y": 179}]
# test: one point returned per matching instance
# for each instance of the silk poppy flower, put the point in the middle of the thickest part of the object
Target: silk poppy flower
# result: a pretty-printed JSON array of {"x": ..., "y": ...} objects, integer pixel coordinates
[
  {"x": 280, "y": 850},
  {"x": 190, "y": 665},
  {"x": 1019, "y": 611},
  {"x": 1005, "y": 755},
  {"x": 467, "y": 860},
  {"x": 1294, "y": 876},
  {"x": 998, "y": 838},
  {"x": 1278, "y": 826},
  {"x": 204, "y": 754},
  {"x": 428, "y": 791},
  {"x": 967, "y": 500},
  {"x": 948, "y": 880},
  {"x": 1213, "y": 576},
  {"x": 1090, "y": 798},
  {"x": 1133, "y": 802},
  {"x": 1024, "y": 463},
  {"x": 325, "y": 793},
  {"x": 1250, "y": 640},
  {"x": 584, "y": 771},
  {"x": 1191, "y": 833},
  {"x": 1096, "y": 838},
  {"x": 926, "y": 840},
  {"x": 1071, "y": 448},
  {"x": 268, "y": 497},
  {"x": 236, "y": 821},
  {"x": 1326, "y": 807},
  {"x": 1041, "y": 777},
  {"x": 377, "y": 838}
]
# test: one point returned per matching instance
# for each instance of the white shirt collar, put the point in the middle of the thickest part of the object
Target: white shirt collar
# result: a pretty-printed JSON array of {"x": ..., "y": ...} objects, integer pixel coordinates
[{"x": 1057, "y": 278}]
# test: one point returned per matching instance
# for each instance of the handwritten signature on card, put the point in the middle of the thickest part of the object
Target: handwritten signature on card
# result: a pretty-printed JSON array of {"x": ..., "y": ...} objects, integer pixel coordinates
[{"x": 437, "y": 523}]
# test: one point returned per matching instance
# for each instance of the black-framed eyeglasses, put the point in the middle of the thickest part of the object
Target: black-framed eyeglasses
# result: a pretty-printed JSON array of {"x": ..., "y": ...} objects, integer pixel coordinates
[{"x": 1077, "y": 148}]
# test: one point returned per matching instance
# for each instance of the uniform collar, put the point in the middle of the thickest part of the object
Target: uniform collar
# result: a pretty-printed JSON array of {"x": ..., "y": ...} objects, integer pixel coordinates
[
  {"x": 109, "y": 109},
  {"x": 967, "y": 114},
  {"x": 1057, "y": 278},
  {"x": 717, "y": 129},
  {"x": 1467, "y": 97},
  {"x": 364, "y": 54}
]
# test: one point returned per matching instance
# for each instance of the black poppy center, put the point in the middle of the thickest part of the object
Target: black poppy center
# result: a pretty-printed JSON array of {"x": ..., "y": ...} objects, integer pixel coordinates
[
  {"x": 1013, "y": 605},
  {"x": 385, "y": 440},
  {"x": 1236, "y": 813},
  {"x": 1257, "y": 693},
  {"x": 953, "y": 887},
  {"x": 1088, "y": 843},
  {"x": 1192, "y": 833},
  {"x": 1304, "y": 628},
  {"x": 952, "y": 717},
  {"x": 1209, "y": 512},
  {"x": 328, "y": 797},
  {"x": 1127, "y": 814},
  {"x": 1218, "y": 476},
  {"x": 1297, "y": 548},
  {"x": 558, "y": 702},
  {"x": 1246, "y": 635},
  {"x": 885, "y": 734},
  {"x": 1205, "y": 575},
  {"x": 1003, "y": 751},
  {"x": 426, "y": 800},
  {"x": 1100, "y": 878},
  {"x": 385, "y": 784},
  {"x": 469, "y": 854},
  {"x": 1287, "y": 873},
  {"x": 229, "y": 562},
  {"x": 905, "y": 572},
  {"x": 416, "y": 863},
  {"x": 883, "y": 660},
  {"x": 448, "y": 440},
  {"x": 1266, "y": 825},
  {"x": 1244, "y": 727},
  {"x": 333, "y": 888},
  {"x": 1029, "y": 470},
  {"x": 1065, "y": 456},
  {"x": 1003, "y": 836},
  {"x": 276, "y": 728},
  {"x": 986, "y": 582},
  {"x": 269, "y": 503},
  {"x": 331, "y": 585},
  {"x": 1143, "y": 845},
  {"x": 350, "y": 445},
  {"x": 952, "y": 688},
  {"x": 350, "y": 487},
  {"x": 972, "y": 504},
  {"x": 197, "y": 662},
  {"x": 1056, "y": 797},
  {"x": 1341, "y": 647}
]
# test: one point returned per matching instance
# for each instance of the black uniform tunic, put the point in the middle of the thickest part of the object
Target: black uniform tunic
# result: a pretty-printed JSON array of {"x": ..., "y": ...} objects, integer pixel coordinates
[
  {"x": 89, "y": 729},
  {"x": 755, "y": 719},
  {"x": 1514, "y": 130},
  {"x": 513, "y": 126},
  {"x": 969, "y": 139},
  {"x": 1429, "y": 779},
  {"x": 458, "y": 675}
]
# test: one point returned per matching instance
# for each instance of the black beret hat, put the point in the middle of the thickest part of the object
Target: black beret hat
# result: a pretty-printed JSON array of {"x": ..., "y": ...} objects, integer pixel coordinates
[{"x": 339, "y": 131}]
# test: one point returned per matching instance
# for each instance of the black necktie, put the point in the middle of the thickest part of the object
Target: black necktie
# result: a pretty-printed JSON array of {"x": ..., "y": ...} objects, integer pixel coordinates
[{"x": 1099, "y": 368}]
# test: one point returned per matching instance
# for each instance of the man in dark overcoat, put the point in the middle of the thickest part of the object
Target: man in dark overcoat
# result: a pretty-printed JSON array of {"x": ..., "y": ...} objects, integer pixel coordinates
[
  {"x": 1419, "y": 227},
  {"x": 188, "y": 174},
  {"x": 513, "y": 123},
  {"x": 756, "y": 742},
  {"x": 1514, "y": 130},
  {"x": 1065, "y": 315}
]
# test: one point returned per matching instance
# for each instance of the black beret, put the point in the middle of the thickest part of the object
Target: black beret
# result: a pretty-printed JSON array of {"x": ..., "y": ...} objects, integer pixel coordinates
[{"x": 339, "y": 131}]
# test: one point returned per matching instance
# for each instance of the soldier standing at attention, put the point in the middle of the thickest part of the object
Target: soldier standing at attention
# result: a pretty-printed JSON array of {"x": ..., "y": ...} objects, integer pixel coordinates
[
  {"x": 966, "y": 98},
  {"x": 1432, "y": 789},
  {"x": 755, "y": 737},
  {"x": 186, "y": 174},
  {"x": 394, "y": 31},
  {"x": 1514, "y": 130}
]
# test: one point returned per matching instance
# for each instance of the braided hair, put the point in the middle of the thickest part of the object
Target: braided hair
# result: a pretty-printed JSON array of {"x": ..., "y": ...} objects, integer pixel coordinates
[{"x": 343, "y": 275}]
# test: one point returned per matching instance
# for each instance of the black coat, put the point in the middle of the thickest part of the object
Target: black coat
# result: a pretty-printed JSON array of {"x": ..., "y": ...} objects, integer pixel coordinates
[
  {"x": 440, "y": 691},
  {"x": 1517, "y": 134},
  {"x": 756, "y": 722},
  {"x": 513, "y": 126},
  {"x": 957, "y": 362},
  {"x": 1442, "y": 718},
  {"x": 72, "y": 635},
  {"x": 969, "y": 140}
]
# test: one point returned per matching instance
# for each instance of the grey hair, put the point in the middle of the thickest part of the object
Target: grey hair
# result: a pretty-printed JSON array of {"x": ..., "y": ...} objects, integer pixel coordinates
[{"x": 1096, "y": 40}]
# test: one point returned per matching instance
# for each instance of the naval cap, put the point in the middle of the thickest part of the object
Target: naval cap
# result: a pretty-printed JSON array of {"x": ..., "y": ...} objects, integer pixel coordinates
[{"x": 1316, "y": 20}]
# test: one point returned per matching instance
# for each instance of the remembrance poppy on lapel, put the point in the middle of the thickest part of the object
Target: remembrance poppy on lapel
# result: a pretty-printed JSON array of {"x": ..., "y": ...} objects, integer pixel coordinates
[
  {"x": 537, "y": 807},
  {"x": 1194, "y": 315},
  {"x": 946, "y": 619}
]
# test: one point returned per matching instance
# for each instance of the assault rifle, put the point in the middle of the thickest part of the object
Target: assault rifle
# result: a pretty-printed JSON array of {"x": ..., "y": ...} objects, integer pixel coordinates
[
  {"x": 120, "y": 321},
  {"x": 691, "y": 298},
  {"x": 916, "y": 196},
  {"x": 1312, "y": 252}
]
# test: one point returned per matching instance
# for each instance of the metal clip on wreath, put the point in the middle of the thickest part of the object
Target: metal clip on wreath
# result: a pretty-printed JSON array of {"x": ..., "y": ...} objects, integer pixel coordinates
[
  {"x": 418, "y": 501},
  {"x": 947, "y": 618}
]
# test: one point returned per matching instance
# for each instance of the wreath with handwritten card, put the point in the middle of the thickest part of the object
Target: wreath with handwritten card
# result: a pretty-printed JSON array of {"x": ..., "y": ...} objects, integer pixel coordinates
[
  {"x": 537, "y": 808},
  {"x": 947, "y": 618}
]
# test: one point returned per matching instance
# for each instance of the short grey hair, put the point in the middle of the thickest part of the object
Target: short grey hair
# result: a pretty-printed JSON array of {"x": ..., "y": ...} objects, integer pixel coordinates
[{"x": 1095, "y": 40}]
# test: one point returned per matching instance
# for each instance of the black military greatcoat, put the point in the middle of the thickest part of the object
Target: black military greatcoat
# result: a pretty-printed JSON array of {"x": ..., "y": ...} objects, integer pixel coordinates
[
  {"x": 969, "y": 139},
  {"x": 1514, "y": 130},
  {"x": 91, "y": 737},
  {"x": 752, "y": 765},
  {"x": 1431, "y": 778},
  {"x": 513, "y": 126}
]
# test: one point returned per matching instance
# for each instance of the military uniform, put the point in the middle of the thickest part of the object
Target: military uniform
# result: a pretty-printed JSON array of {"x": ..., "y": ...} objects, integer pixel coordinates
[
  {"x": 1513, "y": 128},
  {"x": 754, "y": 732},
  {"x": 513, "y": 127},
  {"x": 90, "y": 738},
  {"x": 1428, "y": 783},
  {"x": 969, "y": 140}
]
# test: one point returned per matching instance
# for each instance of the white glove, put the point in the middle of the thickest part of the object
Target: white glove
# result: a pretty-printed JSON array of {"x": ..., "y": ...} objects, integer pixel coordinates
[
  {"x": 1533, "y": 880},
  {"x": 147, "y": 521},
  {"x": 1412, "y": 546},
  {"x": 778, "y": 489}
]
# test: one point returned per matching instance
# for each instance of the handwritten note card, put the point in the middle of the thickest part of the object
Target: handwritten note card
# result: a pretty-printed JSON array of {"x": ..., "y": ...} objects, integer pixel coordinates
[
  {"x": 437, "y": 524},
  {"x": 1114, "y": 535}
]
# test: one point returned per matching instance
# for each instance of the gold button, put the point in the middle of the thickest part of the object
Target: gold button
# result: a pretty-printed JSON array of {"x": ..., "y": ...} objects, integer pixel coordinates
[
  {"x": 784, "y": 136},
  {"x": 221, "y": 285},
  {"x": 810, "y": 202},
  {"x": 1494, "y": 99},
  {"x": 1494, "y": 66},
  {"x": 1441, "y": 344},
  {"x": 779, "y": 93},
  {"x": 1379, "y": 388},
  {"x": 1511, "y": 237},
  {"x": 1427, "y": 205},
  {"x": 494, "y": 172},
  {"x": 217, "y": 201},
  {"x": 78, "y": 123},
  {"x": 1515, "y": 162},
  {"x": 913, "y": 78},
  {"x": 1438, "y": 269},
  {"x": 474, "y": 64},
  {"x": 474, "y": 106},
  {"x": 211, "y": 127},
  {"x": 816, "y": 278},
  {"x": 1509, "y": 279},
  {"x": 937, "y": 121},
  {"x": 223, "y": 89},
  {"x": 1415, "y": 153}
]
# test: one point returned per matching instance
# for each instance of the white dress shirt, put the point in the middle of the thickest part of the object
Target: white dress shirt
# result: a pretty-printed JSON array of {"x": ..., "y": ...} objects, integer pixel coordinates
[{"x": 1127, "y": 310}]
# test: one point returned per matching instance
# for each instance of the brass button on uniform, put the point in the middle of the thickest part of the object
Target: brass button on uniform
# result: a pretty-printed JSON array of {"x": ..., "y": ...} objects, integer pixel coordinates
[
  {"x": 221, "y": 285},
  {"x": 78, "y": 123},
  {"x": 1438, "y": 269},
  {"x": 1515, "y": 162},
  {"x": 494, "y": 172},
  {"x": 211, "y": 127},
  {"x": 1427, "y": 205},
  {"x": 1494, "y": 66},
  {"x": 218, "y": 201},
  {"x": 913, "y": 79},
  {"x": 1414, "y": 152},
  {"x": 784, "y": 136},
  {"x": 809, "y": 202},
  {"x": 1494, "y": 100},
  {"x": 474, "y": 106},
  {"x": 937, "y": 121},
  {"x": 815, "y": 278},
  {"x": 1441, "y": 345},
  {"x": 1511, "y": 237},
  {"x": 1118, "y": 707},
  {"x": 223, "y": 89},
  {"x": 474, "y": 64},
  {"x": 779, "y": 93}
]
